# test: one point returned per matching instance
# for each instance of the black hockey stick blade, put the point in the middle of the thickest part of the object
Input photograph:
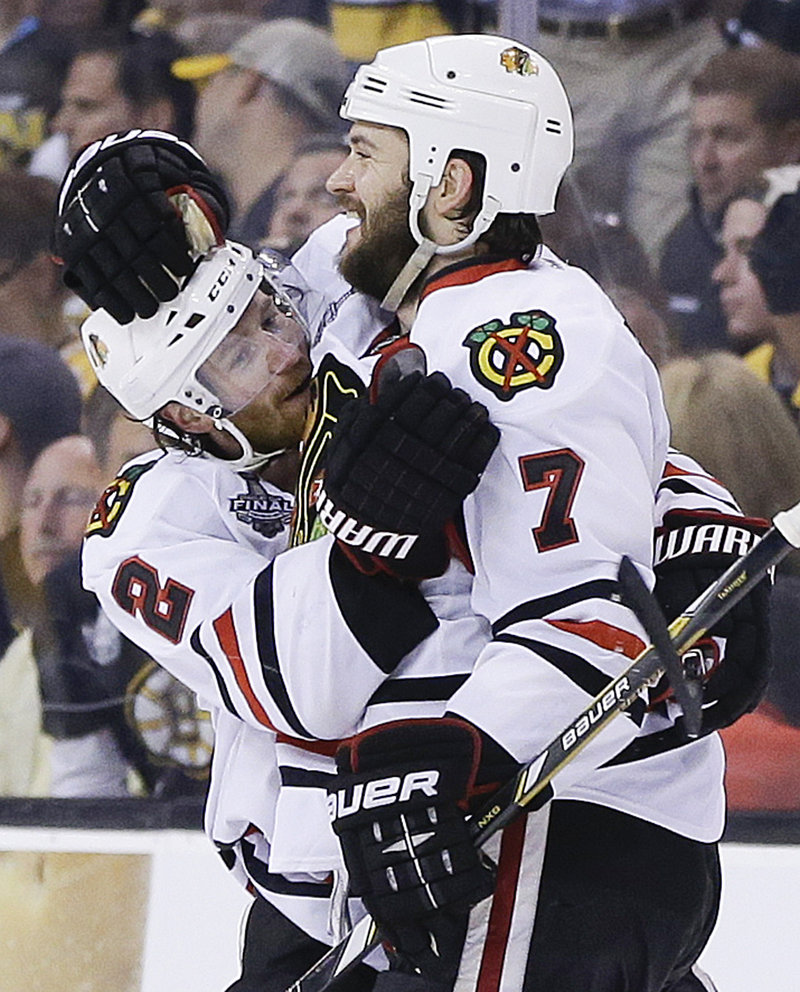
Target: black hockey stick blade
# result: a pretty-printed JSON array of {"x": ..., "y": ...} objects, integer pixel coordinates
[
  {"x": 687, "y": 692},
  {"x": 530, "y": 787}
]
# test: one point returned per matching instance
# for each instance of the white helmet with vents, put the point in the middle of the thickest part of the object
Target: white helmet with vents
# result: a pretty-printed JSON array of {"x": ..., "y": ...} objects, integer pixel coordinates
[
  {"x": 178, "y": 354},
  {"x": 476, "y": 93}
]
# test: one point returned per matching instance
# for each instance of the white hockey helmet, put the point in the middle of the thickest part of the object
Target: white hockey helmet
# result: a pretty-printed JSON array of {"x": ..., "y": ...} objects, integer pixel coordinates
[
  {"x": 475, "y": 93},
  {"x": 172, "y": 355}
]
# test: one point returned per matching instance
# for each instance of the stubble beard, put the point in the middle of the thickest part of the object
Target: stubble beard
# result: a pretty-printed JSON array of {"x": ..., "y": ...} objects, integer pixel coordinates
[{"x": 372, "y": 265}]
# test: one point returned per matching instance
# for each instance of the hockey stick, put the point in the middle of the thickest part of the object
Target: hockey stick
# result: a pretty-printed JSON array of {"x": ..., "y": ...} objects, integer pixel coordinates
[{"x": 530, "y": 788}]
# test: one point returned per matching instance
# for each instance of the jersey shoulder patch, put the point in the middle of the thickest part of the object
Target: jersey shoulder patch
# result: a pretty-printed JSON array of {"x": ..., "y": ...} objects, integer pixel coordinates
[
  {"x": 111, "y": 505},
  {"x": 268, "y": 513},
  {"x": 508, "y": 356}
]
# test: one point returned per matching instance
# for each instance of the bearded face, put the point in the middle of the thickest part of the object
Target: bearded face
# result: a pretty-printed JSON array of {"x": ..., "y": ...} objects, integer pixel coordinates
[{"x": 378, "y": 249}]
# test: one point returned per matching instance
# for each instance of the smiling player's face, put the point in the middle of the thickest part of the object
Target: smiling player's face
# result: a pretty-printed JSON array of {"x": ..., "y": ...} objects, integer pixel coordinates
[
  {"x": 261, "y": 371},
  {"x": 268, "y": 356},
  {"x": 372, "y": 186}
]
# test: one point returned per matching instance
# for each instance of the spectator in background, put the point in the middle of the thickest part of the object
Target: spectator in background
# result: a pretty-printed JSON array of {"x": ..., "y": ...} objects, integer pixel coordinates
[
  {"x": 745, "y": 117},
  {"x": 773, "y": 341},
  {"x": 33, "y": 65},
  {"x": 39, "y": 402},
  {"x": 33, "y": 300},
  {"x": 94, "y": 684},
  {"x": 302, "y": 201},
  {"x": 60, "y": 492},
  {"x": 117, "y": 82},
  {"x": 630, "y": 129},
  {"x": 41, "y": 37},
  {"x": 736, "y": 426},
  {"x": 85, "y": 758},
  {"x": 766, "y": 748},
  {"x": 116, "y": 437},
  {"x": 279, "y": 83}
]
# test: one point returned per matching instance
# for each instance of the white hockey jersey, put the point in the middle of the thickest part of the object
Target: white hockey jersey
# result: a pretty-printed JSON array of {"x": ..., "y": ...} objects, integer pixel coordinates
[
  {"x": 290, "y": 656},
  {"x": 580, "y": 478},
  {"x": 181, "y": 553}
]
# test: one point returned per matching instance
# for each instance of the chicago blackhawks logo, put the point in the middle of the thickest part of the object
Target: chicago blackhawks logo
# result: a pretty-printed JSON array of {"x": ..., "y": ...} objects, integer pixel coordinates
[
  {"x": 509, "y": 357},
  {"x": 517, "y": 60},
  {"x": 113, "y": 501}
]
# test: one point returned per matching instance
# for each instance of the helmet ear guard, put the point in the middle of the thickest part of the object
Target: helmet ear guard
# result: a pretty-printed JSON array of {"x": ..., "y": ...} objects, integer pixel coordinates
[{"x": 479, "y": 93}]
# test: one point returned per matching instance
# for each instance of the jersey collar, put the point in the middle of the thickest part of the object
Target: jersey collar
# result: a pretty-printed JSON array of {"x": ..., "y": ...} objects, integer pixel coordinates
[{"x": 470, "y": 270}]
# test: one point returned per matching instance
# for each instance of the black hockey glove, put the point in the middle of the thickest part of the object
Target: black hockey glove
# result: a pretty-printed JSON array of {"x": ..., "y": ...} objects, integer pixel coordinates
[
  {"x": 135, "y": 210},
  {"x": 398, "y": 809},
  {"x": 692, "y": 550},
  {"x": 398, "y": 468},
  {"x": 775, "y": 255}
]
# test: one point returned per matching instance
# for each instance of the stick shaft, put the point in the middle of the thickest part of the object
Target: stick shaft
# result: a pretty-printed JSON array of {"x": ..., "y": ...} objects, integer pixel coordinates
[{"x": 685, "y": 630}]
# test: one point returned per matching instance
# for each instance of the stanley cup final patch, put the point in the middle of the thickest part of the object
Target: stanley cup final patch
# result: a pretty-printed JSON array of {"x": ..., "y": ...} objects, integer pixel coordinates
[
  {"x": 267, "y": 513},
  {"x": 509, "y": 356}
]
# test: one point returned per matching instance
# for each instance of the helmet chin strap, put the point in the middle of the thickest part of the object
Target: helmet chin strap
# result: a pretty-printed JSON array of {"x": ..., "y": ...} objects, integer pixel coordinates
[
  {"x": 249, "y": 460},
  {"x": 426, "y": 249}
]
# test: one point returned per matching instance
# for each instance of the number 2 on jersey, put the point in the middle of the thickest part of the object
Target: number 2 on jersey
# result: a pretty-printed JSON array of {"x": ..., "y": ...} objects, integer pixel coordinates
[
  {"x": 559, "y": 472},
  {"x": 164, "y": 608}
]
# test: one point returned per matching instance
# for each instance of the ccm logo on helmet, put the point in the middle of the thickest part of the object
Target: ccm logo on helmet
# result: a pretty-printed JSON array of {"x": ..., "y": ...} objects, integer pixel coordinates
[
  {"x": 384, "y": 543},
  {"x": 222, "y": 278},
  {"x": 382, "y": 792}
]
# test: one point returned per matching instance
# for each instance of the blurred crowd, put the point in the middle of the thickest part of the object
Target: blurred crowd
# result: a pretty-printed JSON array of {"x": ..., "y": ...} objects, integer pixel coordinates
[{"x": 688, "y": 132}]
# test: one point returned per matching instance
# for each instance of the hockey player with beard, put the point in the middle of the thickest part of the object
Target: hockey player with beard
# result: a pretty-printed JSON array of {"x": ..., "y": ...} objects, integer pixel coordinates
[
  {"x": 582, "y": 430},
  {"x": 456, "y": 145}
]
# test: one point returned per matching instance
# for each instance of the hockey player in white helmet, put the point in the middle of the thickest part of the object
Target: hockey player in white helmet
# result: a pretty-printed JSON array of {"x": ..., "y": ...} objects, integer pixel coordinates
[
  {"x": 456, "y": 145},
  {"x": 181, "y": 551},
  {"x": 231, "y": 342},
  {"x": 573, "y": 486}
]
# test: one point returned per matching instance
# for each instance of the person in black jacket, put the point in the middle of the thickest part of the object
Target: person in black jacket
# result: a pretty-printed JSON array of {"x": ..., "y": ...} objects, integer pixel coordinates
[{"x": 745, "y": 117}]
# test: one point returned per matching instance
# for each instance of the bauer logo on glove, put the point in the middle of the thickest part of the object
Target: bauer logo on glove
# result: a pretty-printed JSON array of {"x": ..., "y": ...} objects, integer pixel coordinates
[{"x": 382, "y": 792}]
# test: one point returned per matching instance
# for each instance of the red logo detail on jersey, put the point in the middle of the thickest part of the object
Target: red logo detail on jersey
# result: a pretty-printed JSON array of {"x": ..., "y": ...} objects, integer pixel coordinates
[
  {"x": 314, "y": 491},
  {"x": 109, "y": 507},
  {"x": 509, "y": 357}
]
